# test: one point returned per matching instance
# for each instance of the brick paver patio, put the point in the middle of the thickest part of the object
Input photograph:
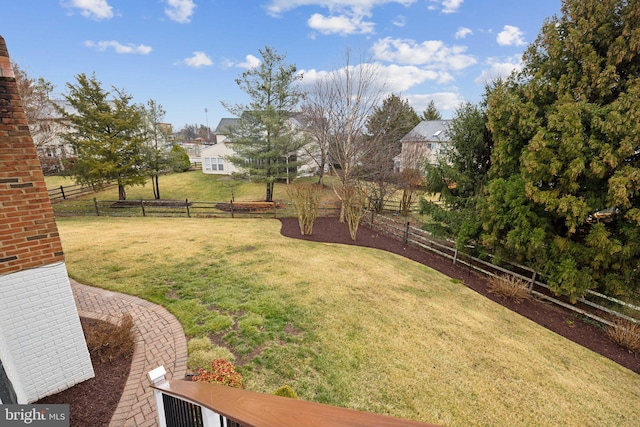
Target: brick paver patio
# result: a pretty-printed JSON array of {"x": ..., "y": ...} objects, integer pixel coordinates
[{"x": 160, "y": 340}]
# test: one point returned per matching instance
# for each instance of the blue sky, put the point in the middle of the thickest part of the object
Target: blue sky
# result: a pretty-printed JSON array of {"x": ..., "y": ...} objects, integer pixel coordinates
[{"x": 186, "y": 54}]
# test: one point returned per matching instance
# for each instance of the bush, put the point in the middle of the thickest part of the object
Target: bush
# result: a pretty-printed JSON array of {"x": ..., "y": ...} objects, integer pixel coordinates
[
  {"x": 625, "y": 334},
  {"x": 286, "y": 391},
  {"x": 509, "y": 287},
  {"x": 220, "y": 371},
  {"x": 108, "y": 341},
  {"x": 202, "y": 351}
]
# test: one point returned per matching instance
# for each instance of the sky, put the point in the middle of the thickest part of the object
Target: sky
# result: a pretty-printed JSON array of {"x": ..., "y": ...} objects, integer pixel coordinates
[{"x": 187, "y": 54}]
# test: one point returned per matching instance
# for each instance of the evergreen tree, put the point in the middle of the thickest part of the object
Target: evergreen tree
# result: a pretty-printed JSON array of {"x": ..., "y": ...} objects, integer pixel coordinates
[
  {"x": 461, "y": 174},
  {"x": 265, "y": 139},
  {"x": 431, "y": 113},
  {"x": 566, "y": 155},
  {"x": 107, "y": 136}
]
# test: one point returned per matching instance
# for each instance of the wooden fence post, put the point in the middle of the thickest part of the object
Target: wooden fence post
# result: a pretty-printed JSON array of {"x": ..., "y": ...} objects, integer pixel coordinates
[
  {"x": 186, "y": 203},
  {"x": 406, "y": 234},
  {"x": 95, "y": 205},
  {"x": 373, "y": 214},
  {"x": 455, "y": 255},
  {"x": 533, "y": 280},
  {"x": 142, "y": 206},
  {"x": 62, "y": 191},
  {"x": 231, "y": 203}
]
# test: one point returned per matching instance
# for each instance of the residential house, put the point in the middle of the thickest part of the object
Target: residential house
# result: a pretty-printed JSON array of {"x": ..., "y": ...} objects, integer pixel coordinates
[
  {"x": 425, "y": 143},
  {"x": 42, "y": 346},
  {"x": 215, "y": 157}
]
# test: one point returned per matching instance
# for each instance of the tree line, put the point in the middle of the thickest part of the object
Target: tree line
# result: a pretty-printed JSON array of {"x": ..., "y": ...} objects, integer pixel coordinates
[{"x": 546, "y": 169}]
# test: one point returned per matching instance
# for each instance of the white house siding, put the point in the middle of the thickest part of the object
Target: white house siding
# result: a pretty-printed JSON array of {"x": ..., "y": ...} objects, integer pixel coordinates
[
  {"x": 41, "y": 340},
  {"x": 215, "y": 161}
]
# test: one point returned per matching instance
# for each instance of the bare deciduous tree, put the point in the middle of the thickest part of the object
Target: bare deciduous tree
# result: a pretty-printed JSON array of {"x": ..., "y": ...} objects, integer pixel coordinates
[
  {"x": 341, "y": 103},
  {"x": 306, "y": 200}
]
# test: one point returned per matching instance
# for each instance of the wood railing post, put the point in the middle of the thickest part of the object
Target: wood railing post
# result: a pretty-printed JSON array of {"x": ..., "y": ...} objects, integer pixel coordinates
[
  {"x": 95, "y": 205},
  {"x": 62, "y": 192},
  {"x": 406, "y": 233},
  {"x": 142, "y": 206},
  {"x": 231, "y": 203},
  {"x": 186, "y": 203}
]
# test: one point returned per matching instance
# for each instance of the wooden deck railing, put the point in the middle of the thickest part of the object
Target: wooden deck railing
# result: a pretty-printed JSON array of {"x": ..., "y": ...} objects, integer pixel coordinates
[{"x": 186, "y": 403}]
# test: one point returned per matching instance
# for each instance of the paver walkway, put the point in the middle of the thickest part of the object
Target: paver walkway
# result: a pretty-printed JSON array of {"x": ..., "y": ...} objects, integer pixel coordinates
[{"x": 160, "y": 340}]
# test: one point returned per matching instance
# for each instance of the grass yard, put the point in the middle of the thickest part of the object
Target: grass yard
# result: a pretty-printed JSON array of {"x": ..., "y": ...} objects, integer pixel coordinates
[
  {"x": 351, "y": 326},
  {"x": 195, "y": 186}
]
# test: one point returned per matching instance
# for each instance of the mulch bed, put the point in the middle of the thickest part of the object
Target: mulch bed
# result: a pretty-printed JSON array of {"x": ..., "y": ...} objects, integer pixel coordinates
[
  {"x": 93, "y": 402},
  {"x": 551, "y": 316}
]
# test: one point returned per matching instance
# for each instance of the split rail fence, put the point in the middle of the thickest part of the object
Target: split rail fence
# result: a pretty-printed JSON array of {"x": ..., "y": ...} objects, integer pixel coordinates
[{"x": 594, "y": 305}]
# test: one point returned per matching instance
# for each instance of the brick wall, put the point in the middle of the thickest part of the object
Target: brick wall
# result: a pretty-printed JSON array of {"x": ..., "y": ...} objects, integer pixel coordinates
[
  {"x": 27, "y": 225},
  {"x": 42, "y": 347}
]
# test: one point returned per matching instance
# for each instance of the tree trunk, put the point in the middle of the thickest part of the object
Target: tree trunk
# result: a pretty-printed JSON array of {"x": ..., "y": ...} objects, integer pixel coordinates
[
  {"x": 156, "y": 187},
  {"x": 269, "y": 197},
  {"x": 122, "y": 194}
]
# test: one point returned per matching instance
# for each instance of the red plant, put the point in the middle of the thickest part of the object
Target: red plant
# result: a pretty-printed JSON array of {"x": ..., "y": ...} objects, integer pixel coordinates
[{"x": 220, "y": 371}]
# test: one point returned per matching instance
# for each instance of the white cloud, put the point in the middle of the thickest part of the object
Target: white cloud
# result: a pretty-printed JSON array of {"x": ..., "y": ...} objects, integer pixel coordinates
[
  {"x": 498, "y": 69},
  {"x": 180, "y": 11},
  {"x": 119, "y": 47},
  {"x": 199, "y": 59},
  {"x": 278, "y": 7},
  {"x": 399, "y": 21},
  {"x": 463, "y": 32},
  {"x": 343, "y": 25},
  {"x": 344, "y": 17},
  {"x": 433, "y": 53},
  {"x": 444, "y": 101},
  {"x": 510, "y": 36},
  {"x": 95, "y": 9},
  {"x": 448, "y": 6},
  {"x": 250, "y": 61}
]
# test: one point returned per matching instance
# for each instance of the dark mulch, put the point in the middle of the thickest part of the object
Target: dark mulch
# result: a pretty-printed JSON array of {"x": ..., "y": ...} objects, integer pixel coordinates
[
  {"x": 93, "y": 402},
  {"x": 551, "y": 316}
]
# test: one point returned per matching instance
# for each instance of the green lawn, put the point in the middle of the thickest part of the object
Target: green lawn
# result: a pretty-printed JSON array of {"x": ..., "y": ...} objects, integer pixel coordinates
[
  {"x": 350, "y": 326},
  {"x": 196, "y": 186}
]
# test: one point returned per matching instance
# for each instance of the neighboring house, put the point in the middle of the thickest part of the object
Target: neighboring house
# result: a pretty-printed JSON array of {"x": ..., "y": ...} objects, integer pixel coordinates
[
  {"x": 425, "y": 143},
  {"x": 215, "y": 161},
  {"x": 215, "y": 158},
  {"x": 42, "y": 346}
]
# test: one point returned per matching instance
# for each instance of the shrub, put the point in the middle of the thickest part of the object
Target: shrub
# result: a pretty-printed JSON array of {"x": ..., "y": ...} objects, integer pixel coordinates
[
  {"x": 306, "y": 200},
  {"x": 202, "y": 351},
  {"x": 220, "y": 371},
  {"x": 625, "y": 334},
  {"x": 286, "y": 391},
  {"x": 509, "y": 287},
  {"x": 108, "y": 341}
]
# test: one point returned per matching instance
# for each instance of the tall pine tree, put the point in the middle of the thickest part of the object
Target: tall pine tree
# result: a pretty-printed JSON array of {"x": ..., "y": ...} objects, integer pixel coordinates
[
  {"x": 106, "y": 136},
  {"x": 566, "y": 163},
  {"x": 265, "y": 139}
]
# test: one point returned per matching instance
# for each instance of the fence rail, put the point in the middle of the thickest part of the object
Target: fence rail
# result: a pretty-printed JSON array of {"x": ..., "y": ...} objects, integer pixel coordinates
[
  {"x": 181, "y": 208},
  {"x": 599, "y": 312},
  {"x": 65, "y": 192}
]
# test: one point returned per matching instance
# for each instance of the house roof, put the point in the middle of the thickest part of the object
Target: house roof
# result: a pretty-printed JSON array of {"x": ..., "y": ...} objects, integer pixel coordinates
[
  {"x": 429, "y": 130},
  {"x": 225, "y": 124}
]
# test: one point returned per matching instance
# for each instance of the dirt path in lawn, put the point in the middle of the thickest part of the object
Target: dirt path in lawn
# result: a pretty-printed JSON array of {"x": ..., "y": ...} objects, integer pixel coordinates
[{"x": 552, "y": 317}]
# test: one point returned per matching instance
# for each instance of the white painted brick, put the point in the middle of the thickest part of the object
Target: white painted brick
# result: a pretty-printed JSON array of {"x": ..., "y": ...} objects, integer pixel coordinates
[{"x": 40, "y": 333}]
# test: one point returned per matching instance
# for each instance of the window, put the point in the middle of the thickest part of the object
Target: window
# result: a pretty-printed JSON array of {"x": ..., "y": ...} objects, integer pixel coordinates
[
  {"x": 220, "y": 164},
  {"x": 207, "y": 163}
]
